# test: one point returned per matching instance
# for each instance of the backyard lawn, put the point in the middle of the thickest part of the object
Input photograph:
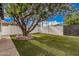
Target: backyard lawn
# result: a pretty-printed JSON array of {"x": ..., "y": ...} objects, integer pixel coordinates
[{"x": 48, "y": 45}]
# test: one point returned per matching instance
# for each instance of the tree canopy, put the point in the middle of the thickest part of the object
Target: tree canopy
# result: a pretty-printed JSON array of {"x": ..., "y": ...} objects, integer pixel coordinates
[{"x": 27, "y": 16}]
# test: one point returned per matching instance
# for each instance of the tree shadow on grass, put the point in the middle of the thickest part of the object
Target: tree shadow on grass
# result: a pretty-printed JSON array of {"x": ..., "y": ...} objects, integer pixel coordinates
[
  {"x": 47, "y": 45},
  {"x": 26, "y": 48}
]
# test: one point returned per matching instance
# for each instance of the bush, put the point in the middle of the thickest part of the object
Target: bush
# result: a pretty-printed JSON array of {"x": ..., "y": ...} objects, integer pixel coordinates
[{"x": 72, "y": 19}]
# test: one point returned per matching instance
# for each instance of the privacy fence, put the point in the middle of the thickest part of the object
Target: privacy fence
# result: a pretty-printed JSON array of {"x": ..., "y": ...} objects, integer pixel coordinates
[
  {"x": 71, "y": 30},
  {"x": 13, "y": 30}
]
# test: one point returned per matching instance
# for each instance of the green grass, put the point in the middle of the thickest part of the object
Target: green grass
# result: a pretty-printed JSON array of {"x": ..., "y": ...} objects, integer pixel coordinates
[{"x": 48, "y": 45}]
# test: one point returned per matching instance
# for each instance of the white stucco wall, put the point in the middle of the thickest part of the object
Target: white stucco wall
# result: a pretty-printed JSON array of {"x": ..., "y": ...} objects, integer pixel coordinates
[{"x": 12, "y": 30}]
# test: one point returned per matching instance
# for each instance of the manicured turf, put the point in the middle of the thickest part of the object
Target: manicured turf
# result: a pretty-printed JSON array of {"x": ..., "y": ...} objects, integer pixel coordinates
[{"x": 50, "y": 45}]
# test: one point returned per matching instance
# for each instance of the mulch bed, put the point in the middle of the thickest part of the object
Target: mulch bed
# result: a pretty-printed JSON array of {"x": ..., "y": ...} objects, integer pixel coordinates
[{"x": 21, "y": 37}]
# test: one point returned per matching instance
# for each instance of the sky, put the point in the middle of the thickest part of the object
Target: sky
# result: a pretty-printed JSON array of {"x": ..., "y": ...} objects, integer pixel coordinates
[
  {"x": 76, "y": 5},
  {"x": 60, "y": 19},
  {"x": 57, "y": 18}
]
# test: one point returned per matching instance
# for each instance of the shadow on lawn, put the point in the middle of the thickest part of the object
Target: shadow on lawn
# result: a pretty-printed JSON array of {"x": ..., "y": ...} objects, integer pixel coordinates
[
  {"x": 47, "y": 45},
  {"x": 28, "y": 48}
]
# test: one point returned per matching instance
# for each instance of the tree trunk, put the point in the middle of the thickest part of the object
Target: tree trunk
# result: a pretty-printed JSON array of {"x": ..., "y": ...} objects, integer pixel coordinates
[{"x": 25, "y": 33}]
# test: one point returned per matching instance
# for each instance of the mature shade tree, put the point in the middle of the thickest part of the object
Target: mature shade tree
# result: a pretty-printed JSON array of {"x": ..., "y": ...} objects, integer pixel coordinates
[{"x": 28, "y": 16}]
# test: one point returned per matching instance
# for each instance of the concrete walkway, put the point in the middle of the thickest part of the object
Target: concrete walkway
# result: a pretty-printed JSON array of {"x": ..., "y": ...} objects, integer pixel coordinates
[{"x": 7, "y": 47}]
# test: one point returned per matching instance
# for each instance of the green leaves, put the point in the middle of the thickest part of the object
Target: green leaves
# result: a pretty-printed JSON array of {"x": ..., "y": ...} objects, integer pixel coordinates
[
  {"x": 72, "y": 19},
  {"x": 43, "y": 10},
  {"x": 16, "y": 9}
]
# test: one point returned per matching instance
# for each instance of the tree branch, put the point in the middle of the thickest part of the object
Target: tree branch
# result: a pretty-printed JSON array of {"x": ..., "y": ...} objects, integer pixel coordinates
[
  {"x": 33, "y": 21},
  {"x": 34, "y": 25},
  {"x": 27, "y": 15}
]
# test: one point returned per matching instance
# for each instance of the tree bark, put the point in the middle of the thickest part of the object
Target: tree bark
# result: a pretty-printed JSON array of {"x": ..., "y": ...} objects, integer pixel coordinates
[{"x": 24, "y": 32}]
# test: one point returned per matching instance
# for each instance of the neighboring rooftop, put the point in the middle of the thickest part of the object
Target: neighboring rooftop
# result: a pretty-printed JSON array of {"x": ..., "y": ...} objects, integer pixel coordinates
[{"x": 6, "y": 23}]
